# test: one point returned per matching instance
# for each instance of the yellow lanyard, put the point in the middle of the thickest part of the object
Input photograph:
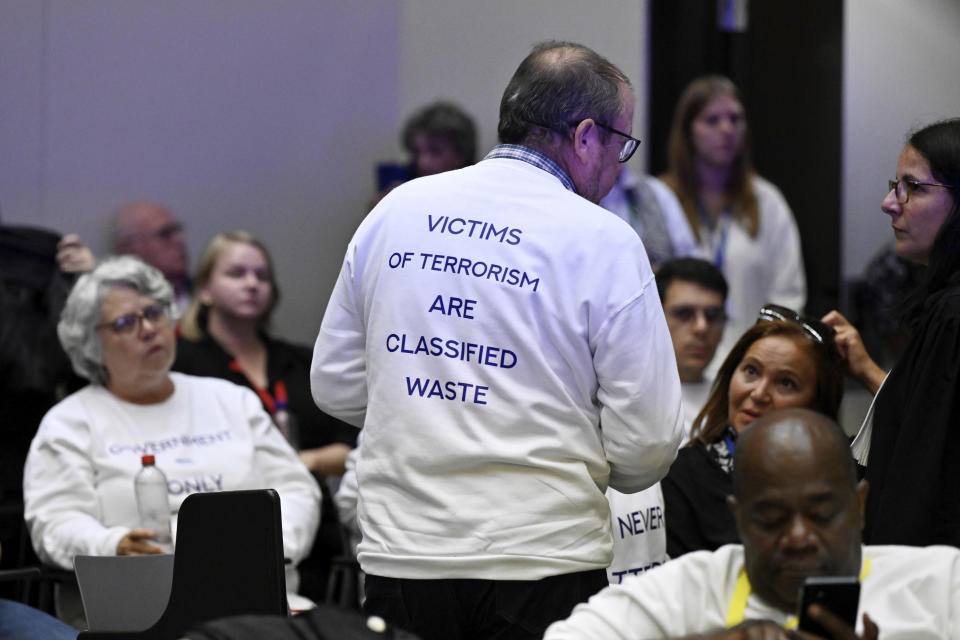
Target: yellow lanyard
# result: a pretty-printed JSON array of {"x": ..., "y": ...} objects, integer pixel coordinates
[{"x": 738, "y": 604}]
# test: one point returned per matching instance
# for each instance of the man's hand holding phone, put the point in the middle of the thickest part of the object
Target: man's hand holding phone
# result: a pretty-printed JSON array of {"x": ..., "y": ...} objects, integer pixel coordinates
[{"x": 828, "y": 609}]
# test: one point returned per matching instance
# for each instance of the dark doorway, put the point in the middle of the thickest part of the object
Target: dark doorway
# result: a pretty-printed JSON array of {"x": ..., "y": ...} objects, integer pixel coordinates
[{"x": 787, "y": 61}]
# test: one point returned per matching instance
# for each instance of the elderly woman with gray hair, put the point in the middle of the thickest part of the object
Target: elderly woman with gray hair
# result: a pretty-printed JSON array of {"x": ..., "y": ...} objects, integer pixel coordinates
[{"x": 205, "y": 433}]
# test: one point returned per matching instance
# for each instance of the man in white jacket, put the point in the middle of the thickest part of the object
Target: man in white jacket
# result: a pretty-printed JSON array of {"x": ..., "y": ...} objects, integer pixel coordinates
[
  {"x": 799, "y": 510},
  {"x": 500, "y": 339}
]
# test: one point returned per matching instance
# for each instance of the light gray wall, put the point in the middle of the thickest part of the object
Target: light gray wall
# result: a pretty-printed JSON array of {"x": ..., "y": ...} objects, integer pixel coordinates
[
  {"x": 266, "y": 116},
  {"x": 467, "y": 51},
  {"x": 900, "y": 72}
]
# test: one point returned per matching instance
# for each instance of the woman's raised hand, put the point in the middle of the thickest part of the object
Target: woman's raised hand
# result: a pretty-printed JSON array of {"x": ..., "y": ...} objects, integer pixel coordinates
[{"x": 859, "y": 363}]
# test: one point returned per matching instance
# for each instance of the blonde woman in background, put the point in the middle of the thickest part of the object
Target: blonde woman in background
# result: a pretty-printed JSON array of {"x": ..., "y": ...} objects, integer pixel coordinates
[
  {"x": 738, "y": 221},
  {"x": 224, "y": 335}
]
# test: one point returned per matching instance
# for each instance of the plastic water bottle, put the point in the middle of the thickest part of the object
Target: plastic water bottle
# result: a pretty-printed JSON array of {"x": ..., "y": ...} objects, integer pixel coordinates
[{"x": 153, "y": 503}]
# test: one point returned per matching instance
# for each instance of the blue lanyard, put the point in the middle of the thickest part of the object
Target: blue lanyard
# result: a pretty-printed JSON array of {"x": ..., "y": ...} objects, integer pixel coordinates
[
  {"x": 730, "y": 444},
  {"x": 721, "y": 252}
]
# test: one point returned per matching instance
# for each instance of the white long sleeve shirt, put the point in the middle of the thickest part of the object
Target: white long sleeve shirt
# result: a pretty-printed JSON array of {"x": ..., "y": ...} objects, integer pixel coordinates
[
  {"x": 759, "y": 269},
  {"x": 911, "y": 593},
  {"x": 502, "y": 343},
  {"x": 210, "y": 435}
]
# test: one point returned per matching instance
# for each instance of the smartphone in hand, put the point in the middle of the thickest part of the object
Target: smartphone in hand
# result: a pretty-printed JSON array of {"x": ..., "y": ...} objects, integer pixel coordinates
[{"x": 838, "y": 594}]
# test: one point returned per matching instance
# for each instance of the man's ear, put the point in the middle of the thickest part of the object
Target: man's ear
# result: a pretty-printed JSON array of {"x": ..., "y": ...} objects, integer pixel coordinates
[
  {"x": 862, "y": 489},
  {"x": 586, "y": 141}
]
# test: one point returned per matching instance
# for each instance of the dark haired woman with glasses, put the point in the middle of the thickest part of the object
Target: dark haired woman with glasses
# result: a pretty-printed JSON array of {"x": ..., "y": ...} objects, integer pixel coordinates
[
  {"x": 910, "y": 439},
  {"x": 785, "y": 360},
  {"x": 736, "y": 219}
]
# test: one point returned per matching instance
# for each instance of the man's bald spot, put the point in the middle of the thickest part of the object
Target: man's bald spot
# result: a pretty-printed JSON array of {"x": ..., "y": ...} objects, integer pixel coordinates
[
  {"x": 787, "y": 433},
  {"x": 129, "y": 221},
  {"x": 560, "y": 57}
]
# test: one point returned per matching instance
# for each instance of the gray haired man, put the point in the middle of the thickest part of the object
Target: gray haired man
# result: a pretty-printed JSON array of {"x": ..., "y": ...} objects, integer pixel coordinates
[{"x": 500, "y": 339}]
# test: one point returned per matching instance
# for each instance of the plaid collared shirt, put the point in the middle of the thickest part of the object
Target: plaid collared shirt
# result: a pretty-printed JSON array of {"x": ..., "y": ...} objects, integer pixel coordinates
[{"x": 537, "y": 159}]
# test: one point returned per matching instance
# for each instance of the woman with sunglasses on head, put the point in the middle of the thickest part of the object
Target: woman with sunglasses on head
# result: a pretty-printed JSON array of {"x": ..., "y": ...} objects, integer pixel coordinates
[
  {"x": 910, "y": 440},
  {"x": 784, "y": 360},
  {"x": 205, "y": 434},
  {"x": 736, "y": 219}
]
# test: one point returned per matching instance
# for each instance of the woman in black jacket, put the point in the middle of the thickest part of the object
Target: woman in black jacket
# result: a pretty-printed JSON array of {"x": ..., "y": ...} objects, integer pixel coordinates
[{"x": 910, "y": 440}]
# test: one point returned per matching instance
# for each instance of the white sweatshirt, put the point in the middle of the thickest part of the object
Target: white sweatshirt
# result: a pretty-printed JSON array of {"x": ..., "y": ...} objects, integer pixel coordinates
[
  {"x": 502, "y": 342},
  {"x": 911, "y": 593},
  {"x": 210, "y": 435}
]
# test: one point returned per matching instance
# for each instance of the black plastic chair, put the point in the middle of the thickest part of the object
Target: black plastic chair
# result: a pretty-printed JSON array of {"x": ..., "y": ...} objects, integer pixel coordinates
[
  {"x": 36, "y": 585},
  {"x": 228, "y": 561},
  {"x": 344, "y": 589},
  {"x": 24, "y": 577}
]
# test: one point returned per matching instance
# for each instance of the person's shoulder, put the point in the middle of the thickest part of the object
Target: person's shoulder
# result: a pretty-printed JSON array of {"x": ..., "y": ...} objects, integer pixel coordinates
[
  {"x": 695, "y": 467},
  {"x": 908, "y": 563},
  {"x": 87, "y": 392},
  {"x": 717, "y": 569},
  {"x": 763, "y": 186},
  {"x": 661, "y": 189},
  {"x": 606, "y": 223},
  {"x": 231, "y": 398},
  {"x": 692, "y": 453},
  {"x": 909, "y": 554},
  {"x": 408, "y": 198},
  {"x": 208, "y": 386},
  {"x": 767, "y": 193},
  {"x": 79, "y": 412},
  {"x": 722, "y": 563},
  {"x": 438, "y": 181},
  {"x": 690, "y": 460},
  {"x": 941, "y": 313},
  {"x": 76, "y": 401},
  {"x": 731, "y": 554},
  {"x": 949, "y": 297}
]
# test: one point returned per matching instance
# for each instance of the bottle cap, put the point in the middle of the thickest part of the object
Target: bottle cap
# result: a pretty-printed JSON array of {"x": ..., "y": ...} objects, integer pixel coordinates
[{"x": 147, "y": 459}]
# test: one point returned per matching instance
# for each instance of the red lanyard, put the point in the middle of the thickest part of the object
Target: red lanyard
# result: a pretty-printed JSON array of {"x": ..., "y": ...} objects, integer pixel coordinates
[{"x": 269, "y": 401}]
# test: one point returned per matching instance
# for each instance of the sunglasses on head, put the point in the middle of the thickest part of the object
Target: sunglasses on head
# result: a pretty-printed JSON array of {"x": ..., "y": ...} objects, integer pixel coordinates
[{"x": 817, "y": 330}]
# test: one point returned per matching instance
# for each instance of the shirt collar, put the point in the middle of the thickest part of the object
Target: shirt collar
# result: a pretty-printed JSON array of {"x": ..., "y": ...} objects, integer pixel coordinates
[{"x": 537, "y": 159}]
